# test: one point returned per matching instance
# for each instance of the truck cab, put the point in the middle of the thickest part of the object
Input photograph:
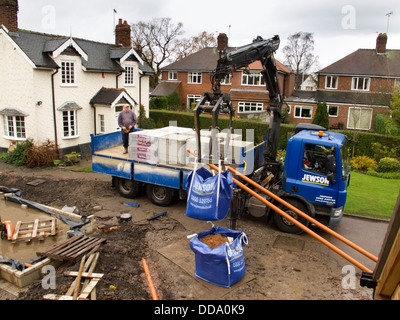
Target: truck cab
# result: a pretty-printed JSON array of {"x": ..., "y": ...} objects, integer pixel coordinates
[{"x": 316, "y": 170}]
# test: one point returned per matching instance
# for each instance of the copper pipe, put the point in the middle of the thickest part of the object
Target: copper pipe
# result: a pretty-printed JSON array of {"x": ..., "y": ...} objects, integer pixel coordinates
[{"x": 294, "y": 221}]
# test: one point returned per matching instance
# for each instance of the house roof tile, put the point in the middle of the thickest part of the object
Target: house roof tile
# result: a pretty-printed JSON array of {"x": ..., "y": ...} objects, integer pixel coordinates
[
  {"x": 101, "y": 56},
  {"x": 206, "y": 59},
  {"x": 367, "y": 62}
]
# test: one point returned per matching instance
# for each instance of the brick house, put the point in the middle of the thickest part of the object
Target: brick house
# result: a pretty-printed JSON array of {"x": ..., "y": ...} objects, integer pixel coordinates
[
  {"x": 355, "y": 88},
  {"x": 63, "y": 88},
  {"x": 190, "y": 78}
]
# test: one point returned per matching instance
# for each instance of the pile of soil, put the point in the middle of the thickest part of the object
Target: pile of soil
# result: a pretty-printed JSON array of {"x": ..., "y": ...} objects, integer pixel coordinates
[{"x": 214, "y": 240}]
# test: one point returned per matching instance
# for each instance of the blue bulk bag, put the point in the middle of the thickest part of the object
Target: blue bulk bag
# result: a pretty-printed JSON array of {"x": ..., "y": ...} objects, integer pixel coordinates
[
  {"x": 209, "y": 196},
  {"x": 223, "y": 265}
]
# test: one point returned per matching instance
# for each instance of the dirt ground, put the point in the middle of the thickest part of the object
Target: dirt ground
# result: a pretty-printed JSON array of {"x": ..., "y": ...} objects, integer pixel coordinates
[{"x": 278, "y": 266}]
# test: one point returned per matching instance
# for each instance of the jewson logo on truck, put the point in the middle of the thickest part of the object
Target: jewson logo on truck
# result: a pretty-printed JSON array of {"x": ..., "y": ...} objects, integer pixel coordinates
[{"x": 315, "y": 179}]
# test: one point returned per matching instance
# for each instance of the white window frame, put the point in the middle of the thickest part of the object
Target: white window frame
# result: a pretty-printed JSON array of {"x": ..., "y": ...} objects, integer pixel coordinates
[
  {"x": 102, "y": 123},
  {"x": 195, "y": 78},
  {"x": 397, "y": 82},
  {"x": 256, "y": 83},
  {"x": 337, "y": 113},
  {"x": 227, "y": 80},
  {"x": 355, "y": 82},
  {"x": 329, "y": 80},
  {"x": 254, "y": 107},
  {"x": 71, "y": 124},
  {"x": 14, "y": 128},
  {"x": 301, "y": 111},
  {"x": 68, "y": 73},
  {"x": 129, "y": 76},
  {"x": 173, "y": 75},
  {"x": 192, "y": 97},
  {"x": 351, "y": 125}
]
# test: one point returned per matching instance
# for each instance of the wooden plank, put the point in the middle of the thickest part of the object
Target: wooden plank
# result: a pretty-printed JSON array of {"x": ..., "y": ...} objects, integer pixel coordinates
[
  {"x": 84, "y": 274},
  {"x": 78, "y": 246},
  {"x": 86, "y": 291},
  {"x": 65, "y": 250},
  {"x": 53, "y": 227},
  {"x": 52, "y": 296},
  {"x": 85, "y": 268},
  {"x": 72, "y": 250},
  {"x": 35, "y": 226},
  {"x": 78, "y": 278},
  {"x": 58, "y": 246},
  {"x": 94, "y": 244},
  {"x": 16, "y": 230}
]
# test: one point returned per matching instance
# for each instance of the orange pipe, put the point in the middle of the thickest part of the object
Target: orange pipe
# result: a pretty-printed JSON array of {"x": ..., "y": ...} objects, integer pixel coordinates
[
  {"x": 10, "y": 229},
  {"x": 294, "y": 221},
  {"x": 304, "y": 215},
  {"x": 151, "y": 285}
]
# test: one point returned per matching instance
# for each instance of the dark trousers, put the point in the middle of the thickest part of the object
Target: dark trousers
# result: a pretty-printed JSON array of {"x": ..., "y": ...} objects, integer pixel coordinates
[{"x": 125, "y": 138}]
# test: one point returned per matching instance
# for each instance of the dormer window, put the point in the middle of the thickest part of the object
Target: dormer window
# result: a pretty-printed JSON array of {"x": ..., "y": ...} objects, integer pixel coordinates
[
  {"x": 129, "y": 76},
  {"x": 67, "y": 73}
]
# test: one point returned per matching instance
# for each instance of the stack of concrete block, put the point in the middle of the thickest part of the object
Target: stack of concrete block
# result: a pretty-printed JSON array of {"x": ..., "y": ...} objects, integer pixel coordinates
[{"x": 148, "y": 145}]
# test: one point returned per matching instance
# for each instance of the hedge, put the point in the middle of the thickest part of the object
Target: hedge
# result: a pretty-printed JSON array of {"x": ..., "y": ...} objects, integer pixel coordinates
[{"x": 186, "y": 119}]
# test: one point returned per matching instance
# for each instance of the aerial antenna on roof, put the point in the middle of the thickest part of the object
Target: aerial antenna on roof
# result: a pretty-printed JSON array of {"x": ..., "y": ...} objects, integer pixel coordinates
[
  {"x": 114, "y": 12},
  {"x": 388, "y": 15}
]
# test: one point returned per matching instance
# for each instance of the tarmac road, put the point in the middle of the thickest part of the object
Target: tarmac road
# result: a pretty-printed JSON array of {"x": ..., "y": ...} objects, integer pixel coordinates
[{"x": 368, "y": 234}]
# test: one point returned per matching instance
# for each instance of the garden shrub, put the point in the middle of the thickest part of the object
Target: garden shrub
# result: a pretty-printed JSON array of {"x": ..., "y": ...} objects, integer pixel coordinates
[
  {"x": 17, "y": 157},
  {"x": 363, "y": 163},
  {"x": 388, "y": 165}
]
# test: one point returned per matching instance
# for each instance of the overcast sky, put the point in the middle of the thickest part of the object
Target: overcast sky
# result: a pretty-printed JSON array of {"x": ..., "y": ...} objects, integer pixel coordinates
[{"x": 339, "y": 27}]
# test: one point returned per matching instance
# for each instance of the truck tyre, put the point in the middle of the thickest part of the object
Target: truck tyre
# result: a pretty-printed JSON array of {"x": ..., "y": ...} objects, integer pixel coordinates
[
  {"x": 284, "y": 224},
  {"x": 160, "y": 195},
  {"x": 127, "y": 188}
]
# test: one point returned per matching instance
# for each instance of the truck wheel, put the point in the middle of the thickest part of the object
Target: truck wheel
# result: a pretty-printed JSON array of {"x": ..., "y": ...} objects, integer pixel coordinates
[
  {"x": 160, "y": 195},
  {"x": 127, "y": 188},
  {"x": 284, "y": 224}
]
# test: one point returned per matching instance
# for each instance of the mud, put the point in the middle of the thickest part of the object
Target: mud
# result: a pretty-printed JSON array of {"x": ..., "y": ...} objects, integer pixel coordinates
[{"x": 311, "y": 272}]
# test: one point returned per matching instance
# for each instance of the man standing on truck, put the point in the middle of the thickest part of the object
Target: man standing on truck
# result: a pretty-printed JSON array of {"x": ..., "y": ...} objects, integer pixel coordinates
[{"x": 126, "y": 120}]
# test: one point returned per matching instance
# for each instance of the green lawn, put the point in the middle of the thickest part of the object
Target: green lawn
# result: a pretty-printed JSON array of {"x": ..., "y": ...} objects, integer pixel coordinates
[{"x": 371, "y": 196}]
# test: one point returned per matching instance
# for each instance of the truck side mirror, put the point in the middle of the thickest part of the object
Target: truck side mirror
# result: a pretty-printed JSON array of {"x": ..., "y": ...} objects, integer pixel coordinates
[{"x": 331, "y": 177}]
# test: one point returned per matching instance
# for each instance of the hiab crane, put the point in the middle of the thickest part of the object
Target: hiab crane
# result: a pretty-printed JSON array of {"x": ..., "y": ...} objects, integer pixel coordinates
[{"x": 315, "y": 174}]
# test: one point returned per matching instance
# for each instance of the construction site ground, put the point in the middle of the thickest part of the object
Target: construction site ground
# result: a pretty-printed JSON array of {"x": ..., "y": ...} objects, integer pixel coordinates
[{"x": 278, "y": 265}]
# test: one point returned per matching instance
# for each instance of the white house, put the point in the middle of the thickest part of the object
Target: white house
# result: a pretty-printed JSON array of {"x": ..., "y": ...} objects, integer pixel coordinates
[{"x": 62, "y": 88}]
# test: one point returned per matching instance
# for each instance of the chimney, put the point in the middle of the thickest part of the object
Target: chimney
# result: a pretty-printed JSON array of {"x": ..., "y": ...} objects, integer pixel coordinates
[
  {"x": 222, "y": 41},
  {"x": 123, "y": 34},
  {"x": 381, "y": 43},
  {"x": 9, "y": 14}
]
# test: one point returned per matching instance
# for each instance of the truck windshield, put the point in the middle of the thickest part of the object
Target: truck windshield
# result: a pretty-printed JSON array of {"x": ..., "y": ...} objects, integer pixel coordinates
[{"x": 319, "y": 159}]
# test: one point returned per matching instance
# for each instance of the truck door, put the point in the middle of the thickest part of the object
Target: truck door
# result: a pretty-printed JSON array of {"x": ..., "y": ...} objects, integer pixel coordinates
[{"x": 317, "y": 174}]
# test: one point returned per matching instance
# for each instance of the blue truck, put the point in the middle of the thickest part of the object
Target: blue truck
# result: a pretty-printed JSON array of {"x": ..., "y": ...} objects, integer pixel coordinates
[{"x": 313, "y": 178}]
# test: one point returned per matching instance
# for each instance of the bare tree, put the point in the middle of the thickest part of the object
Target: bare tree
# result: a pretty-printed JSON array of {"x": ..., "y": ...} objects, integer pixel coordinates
[
  {"x": 186, "y": 47},
  {"x": 299, "y": 54},
  {"x": 155, "y": 42}
]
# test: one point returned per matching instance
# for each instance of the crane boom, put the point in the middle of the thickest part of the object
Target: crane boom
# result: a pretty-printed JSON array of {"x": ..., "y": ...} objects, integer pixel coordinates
[{"x": 219, "y": 102}]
